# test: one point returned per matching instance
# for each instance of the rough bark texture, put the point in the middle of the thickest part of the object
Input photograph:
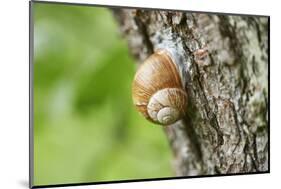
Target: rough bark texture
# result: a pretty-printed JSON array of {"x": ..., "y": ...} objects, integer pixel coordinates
[{"x": 226, "y": 130}]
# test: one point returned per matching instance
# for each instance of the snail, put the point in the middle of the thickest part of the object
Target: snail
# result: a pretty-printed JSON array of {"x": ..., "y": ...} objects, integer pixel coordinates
[{"x": 158, "y": 89}]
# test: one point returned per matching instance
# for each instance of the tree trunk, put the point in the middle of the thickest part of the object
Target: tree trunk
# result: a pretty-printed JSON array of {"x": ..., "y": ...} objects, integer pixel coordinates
[{"x": 226, "y": 127}]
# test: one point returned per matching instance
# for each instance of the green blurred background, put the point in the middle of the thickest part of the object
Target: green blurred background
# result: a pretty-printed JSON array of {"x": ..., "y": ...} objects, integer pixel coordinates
[{"x": 86, "y": 128}]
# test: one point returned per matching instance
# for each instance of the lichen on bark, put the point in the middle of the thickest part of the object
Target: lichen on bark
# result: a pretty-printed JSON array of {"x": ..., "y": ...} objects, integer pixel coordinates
[{"x": 226, "y": 58}]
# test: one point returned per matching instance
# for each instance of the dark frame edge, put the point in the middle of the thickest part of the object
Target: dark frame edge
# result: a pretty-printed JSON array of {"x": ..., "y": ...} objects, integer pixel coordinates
[
  {"x": 31, "y": 133},
  {"x": 143, "y": 180},
  {"x": 268, "y": 68}
]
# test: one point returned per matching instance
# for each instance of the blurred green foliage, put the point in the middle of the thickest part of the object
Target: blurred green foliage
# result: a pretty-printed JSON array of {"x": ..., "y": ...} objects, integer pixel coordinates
[{"x": 85, "y": 126}]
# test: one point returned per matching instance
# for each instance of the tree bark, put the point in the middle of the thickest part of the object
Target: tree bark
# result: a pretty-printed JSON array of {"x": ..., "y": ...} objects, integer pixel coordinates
[{"x": 226, "y": 127}]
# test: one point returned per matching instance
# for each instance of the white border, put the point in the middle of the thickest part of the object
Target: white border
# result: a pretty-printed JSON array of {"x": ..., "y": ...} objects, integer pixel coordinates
[{"x": 14, "y": 92}]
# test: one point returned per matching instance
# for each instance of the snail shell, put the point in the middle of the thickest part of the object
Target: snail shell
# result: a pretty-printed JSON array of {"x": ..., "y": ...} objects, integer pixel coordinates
[{"x": 158, "y": 91}]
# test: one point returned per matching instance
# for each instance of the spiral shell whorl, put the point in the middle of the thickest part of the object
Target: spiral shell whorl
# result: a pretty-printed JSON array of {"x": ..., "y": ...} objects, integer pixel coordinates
[
  {"x": 158, "y": 89},
  {"x": 166, "y": 106}
]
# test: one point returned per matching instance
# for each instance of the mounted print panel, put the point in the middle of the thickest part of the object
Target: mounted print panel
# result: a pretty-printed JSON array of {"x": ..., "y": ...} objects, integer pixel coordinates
[{"x": 124, "y": 94}]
